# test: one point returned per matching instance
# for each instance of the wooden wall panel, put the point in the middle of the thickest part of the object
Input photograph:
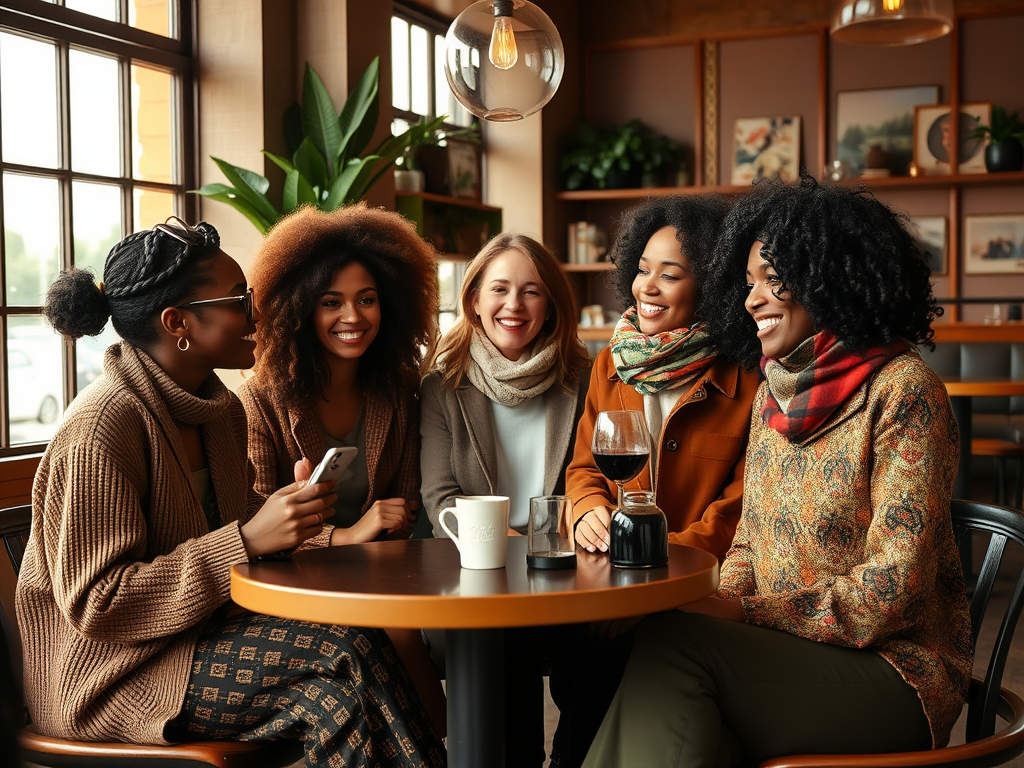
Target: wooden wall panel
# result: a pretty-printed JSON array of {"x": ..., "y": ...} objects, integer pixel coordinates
[
  {"x": 16, "y": 480},
  {"x": 764, "y": 78},
  {"x": 655, "y": 85}
]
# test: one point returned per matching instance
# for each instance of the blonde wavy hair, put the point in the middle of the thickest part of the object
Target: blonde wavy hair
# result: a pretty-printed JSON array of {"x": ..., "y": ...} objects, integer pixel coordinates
[{"x": 451, "y": 357}]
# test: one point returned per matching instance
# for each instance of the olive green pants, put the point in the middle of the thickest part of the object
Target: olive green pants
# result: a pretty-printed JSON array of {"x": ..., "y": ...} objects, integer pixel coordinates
[{"x": 702, "y": 693}]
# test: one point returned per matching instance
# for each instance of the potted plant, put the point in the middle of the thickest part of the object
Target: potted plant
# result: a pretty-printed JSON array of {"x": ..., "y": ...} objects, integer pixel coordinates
[
  {"x": 616, "y": 158},
  {"x": 408, "y": 173},
  {"x": 1005, "y": 150},
  {"x": 328, "y": 166},
  {"x": 661, "y": 156},
  {"x": 426, "y": 155}
]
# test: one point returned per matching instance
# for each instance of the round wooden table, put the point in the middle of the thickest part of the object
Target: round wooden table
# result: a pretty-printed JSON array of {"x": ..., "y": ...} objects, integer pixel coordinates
[{"x": 419, "y": 584}]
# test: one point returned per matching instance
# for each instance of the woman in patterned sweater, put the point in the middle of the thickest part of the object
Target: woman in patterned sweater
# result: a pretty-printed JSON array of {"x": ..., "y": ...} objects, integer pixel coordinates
[
  {"x": 841, "y": 622},
  {"x": 142, "y": 503}
]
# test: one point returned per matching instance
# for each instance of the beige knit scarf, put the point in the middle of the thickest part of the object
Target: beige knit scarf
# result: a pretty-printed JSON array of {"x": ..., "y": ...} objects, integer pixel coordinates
[{"x": 510, "y": 382}]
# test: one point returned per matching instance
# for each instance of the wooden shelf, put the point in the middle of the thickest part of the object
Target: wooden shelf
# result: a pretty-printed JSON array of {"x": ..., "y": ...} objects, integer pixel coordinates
[
  {"x": 597, "y": 266},
  {"x": 892, "y": 182},
  {"x": 460, "y": 202},
  {"x": 958, "y": 332}
]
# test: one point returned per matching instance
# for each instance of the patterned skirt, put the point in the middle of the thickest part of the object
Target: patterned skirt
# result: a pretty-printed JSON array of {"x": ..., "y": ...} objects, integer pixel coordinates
[{"x": 341, "y": 690}]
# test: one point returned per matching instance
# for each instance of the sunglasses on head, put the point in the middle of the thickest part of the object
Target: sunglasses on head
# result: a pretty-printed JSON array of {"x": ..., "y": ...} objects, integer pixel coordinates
[{"x": 182, "y": 231}]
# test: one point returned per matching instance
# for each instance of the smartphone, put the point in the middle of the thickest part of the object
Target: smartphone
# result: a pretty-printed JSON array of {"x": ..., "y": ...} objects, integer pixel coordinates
[{"x": 333, "y": 464}]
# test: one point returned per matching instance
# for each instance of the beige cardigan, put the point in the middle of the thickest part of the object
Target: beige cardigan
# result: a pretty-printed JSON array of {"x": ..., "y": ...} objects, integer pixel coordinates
[
  {"x": 458, "y": 454},
  {"x": 121, "y": 570}
]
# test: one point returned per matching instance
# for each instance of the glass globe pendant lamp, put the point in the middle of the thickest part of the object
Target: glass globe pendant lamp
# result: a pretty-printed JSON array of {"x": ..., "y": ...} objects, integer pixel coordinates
[
  {"x": 890, "y": 22},
  {"x": 503, "y": 59}
]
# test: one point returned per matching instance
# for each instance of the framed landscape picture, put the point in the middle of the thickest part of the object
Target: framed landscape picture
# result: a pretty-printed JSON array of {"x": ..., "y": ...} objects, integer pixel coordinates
[
  {"x": 930, "y": 233},
  {"x": 931, "y": 137},
  {"x": 994, "y": 244},
  {"x": 766, "y": 148},
  {"x": 882, "y": 117}
]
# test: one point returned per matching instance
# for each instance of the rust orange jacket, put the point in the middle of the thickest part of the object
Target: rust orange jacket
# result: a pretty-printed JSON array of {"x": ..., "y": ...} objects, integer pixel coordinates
[{"x": 700, "y": 453}]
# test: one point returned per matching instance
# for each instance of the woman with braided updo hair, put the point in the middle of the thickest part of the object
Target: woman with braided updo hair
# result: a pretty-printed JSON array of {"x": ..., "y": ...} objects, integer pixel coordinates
[{"x": 142, "y": 503}]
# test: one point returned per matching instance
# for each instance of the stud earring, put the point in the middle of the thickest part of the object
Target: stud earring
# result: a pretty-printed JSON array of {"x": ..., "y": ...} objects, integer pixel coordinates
[{"x": 187, "y": 344}]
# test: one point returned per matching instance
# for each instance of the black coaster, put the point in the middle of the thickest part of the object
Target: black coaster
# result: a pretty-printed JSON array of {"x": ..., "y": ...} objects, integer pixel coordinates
[{"x": 552, "y": 562}]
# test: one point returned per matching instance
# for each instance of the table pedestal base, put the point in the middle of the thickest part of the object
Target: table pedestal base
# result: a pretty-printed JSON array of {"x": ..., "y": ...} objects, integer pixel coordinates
[{"x": 475, "y": 671}]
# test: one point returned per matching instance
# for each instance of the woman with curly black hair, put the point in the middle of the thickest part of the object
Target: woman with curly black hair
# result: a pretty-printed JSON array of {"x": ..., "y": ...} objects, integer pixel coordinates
[
  {"x": 663, "y": 361},
  {"x": 142, "y": 503},
  {"x": 349, "y": 300},
  {"x": 841, "y": 622}
]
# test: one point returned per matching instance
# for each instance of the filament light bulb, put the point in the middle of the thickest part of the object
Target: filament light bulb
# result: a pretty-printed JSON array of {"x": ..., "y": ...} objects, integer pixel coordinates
[
  {"x": 893, "y": 5},
  {"x": 503, "y": 52}
]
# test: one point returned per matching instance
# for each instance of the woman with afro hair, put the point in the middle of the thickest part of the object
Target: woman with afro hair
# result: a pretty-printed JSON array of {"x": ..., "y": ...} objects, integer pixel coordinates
[
  {"x": 663, "y": 361},
  {"x": 841, "y": 623},
  {"x": 348, "y": 300},
  {"x": 142, "y": 503}
]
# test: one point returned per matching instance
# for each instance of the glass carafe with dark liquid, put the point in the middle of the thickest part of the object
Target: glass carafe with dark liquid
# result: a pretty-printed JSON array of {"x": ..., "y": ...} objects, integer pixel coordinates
[{"x": 639, "y": 532}]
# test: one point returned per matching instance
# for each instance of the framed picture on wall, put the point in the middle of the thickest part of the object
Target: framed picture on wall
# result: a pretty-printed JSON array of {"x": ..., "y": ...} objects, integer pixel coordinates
[
  {"x": 994, "y": 244},
  {"x": 766, "y": 148},
  {"x": 931, "y": 137},
  {"x": 882, "y": 117},
  {"x": 464, "y": 169},
  {"x": 930, "y": 233}
]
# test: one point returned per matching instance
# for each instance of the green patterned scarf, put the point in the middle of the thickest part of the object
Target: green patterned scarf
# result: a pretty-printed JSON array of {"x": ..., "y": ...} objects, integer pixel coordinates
[{"x": 661, "y": 361}]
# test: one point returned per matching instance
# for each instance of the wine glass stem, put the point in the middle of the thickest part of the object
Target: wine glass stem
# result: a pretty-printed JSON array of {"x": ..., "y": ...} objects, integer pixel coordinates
[{"x": 620, "y": 494}]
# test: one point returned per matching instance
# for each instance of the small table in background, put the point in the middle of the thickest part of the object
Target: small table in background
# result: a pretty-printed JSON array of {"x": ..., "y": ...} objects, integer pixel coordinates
[
  {"x": 960, "y": 391},
  {"x": 418, "y": 584}
]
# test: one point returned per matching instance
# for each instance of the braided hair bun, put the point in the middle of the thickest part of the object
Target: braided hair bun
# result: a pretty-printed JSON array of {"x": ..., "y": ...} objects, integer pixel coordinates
[{"x": 143, "y": 274}]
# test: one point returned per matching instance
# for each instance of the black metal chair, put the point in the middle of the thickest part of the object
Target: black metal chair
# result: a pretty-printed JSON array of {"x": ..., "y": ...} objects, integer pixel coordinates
[
  {"x": 986, "y": 700},
  {"x": 15, "y": 523}
]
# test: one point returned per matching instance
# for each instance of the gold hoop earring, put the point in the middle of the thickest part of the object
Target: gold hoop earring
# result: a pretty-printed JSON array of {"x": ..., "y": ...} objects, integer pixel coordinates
[{"x": 187, "y": 344}]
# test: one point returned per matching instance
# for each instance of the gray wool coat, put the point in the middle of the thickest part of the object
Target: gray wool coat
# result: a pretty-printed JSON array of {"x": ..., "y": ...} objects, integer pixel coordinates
[{"x": 458, "y": 456}]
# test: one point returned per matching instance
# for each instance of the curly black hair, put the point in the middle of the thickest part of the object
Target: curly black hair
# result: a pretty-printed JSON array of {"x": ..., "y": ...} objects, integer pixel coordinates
[
  {"x": 843, "y": 255},
  {"x": 144, "y": 273},
  {"x": 298, "y": 261},
  {"x": 697, "y": 220}
]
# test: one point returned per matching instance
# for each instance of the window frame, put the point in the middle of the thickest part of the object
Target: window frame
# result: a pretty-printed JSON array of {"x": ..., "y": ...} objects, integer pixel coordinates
[
  {"x": 435, "y": 24},
  {"x": 68, "y": 29}
]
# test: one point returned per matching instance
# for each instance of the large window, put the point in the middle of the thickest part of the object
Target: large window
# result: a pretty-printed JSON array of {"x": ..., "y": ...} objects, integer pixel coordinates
[
  {"x": 95, "y": 142},
  {"x": 419, "y": 88}
]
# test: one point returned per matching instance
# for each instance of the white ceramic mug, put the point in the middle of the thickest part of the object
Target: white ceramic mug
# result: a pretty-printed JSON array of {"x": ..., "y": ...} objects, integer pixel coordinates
[{"x": 483, "y": 530}]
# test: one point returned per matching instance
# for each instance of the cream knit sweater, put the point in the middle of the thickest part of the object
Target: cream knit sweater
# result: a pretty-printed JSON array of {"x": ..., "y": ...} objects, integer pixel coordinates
[{"x": 121, "y": 570}]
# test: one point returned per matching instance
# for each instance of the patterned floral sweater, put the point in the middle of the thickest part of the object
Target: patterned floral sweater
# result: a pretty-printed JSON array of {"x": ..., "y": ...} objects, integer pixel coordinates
[{"x": 845, "y": 538}]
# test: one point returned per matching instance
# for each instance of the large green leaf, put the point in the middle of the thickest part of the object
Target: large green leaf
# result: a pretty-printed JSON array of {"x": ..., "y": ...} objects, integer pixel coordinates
[
  {"x": 349, "y": 185},
  {"x": 283, "y": 163},
  {"x": 296, "y": 192},
  {"x": 358, "y": 118},
  {"x": 319, "y": 118},
  {"x": 251, "y": 187},
  {"x": 229, "y": 195},
  {"x": 311, "y": 164}
]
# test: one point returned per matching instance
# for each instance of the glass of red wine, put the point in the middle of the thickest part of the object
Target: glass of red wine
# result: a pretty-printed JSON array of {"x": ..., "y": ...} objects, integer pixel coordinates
[{"x": 621, "y": 446}]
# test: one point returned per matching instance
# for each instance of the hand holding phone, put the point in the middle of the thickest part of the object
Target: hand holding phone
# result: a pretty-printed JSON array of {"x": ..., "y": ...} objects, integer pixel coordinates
[{"x": 333, "y": 464}]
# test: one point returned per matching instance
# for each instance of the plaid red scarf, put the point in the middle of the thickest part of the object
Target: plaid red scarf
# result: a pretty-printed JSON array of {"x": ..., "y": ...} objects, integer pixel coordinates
[{"x": 806, "y": 387}]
